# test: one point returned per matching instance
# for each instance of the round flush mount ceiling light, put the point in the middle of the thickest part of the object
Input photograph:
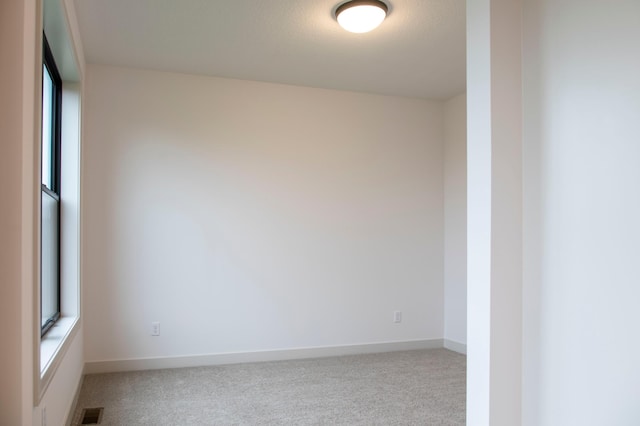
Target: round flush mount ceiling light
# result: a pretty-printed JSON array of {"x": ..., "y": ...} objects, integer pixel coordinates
[{"x": 361, "y": 16}]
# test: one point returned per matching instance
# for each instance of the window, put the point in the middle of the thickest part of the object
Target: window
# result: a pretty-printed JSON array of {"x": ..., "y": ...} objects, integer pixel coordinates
[
  {"x": 50, "y": 191},
  {"x": 57, "y": 320}
]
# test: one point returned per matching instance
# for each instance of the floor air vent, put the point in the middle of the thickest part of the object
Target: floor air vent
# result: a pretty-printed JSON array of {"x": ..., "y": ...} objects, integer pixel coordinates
[{"x": 92, "y": 416}]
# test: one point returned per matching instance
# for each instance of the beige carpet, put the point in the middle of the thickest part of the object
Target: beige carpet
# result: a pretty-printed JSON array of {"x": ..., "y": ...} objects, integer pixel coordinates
[{"x": 424, "y": 387}]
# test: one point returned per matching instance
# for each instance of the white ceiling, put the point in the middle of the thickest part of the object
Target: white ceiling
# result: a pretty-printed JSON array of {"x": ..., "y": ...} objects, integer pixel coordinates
[{"x": 418, "y": 51}]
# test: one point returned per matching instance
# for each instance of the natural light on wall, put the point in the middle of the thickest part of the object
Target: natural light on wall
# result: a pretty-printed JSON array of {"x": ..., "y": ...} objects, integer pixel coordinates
[{"x": 361, "y": 16}]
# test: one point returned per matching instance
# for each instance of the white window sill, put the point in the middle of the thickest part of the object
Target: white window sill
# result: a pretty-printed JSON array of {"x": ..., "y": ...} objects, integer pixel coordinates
[{"x": 52, "y": 343}]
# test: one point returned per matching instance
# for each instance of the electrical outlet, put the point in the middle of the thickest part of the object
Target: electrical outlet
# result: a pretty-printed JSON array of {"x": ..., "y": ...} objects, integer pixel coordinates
[
  {"x": 397, "y": 317},
  {"x": 155, "y": 328}
]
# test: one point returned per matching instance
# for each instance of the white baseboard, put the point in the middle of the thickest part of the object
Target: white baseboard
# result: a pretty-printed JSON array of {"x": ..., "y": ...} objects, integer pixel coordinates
[
  {"x": 452, "y": 345},
  {"x": 110, "y": 366}
]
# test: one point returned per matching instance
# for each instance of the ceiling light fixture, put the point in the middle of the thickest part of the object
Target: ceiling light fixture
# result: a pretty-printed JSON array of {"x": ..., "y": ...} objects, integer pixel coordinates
[{"x": 361, "y": 16}]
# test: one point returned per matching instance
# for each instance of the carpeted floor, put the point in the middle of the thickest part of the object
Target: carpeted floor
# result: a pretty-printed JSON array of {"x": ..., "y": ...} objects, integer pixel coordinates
[{"x": 423, "y": 387}]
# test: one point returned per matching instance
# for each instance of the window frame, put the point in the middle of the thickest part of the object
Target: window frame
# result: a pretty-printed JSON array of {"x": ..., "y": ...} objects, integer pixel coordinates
[{"x": 49, "y": 63}]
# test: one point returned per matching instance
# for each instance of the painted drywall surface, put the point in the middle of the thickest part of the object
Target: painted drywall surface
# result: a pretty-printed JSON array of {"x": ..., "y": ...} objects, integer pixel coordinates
[
  {"x": 582, "y": 103},
  {"x": 506, "y": 209},
  {"x": 478, "y": 212},
  {"x": 455, "y": 219},
  {"x": 59, "y": 398},
  {"x": 11, "y": 362},
  {"x": 494, "y": 232},
  {"x": 249, "y": 216}
]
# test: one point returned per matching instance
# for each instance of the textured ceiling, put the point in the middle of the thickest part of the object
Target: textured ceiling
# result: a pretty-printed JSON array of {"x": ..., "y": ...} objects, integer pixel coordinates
[{"x": 419, "y": 50}]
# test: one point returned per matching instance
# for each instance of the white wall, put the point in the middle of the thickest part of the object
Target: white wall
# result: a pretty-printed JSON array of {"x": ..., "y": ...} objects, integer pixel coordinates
[
  {"x": 455, "y": 222},
  {"x": 248, "y": 216},
  {"x": 494, "y": 214},
  {"x": 582, "y": 174},
  {"x": 12, "y": 359},
  {"x": 59, "y": 398}
]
